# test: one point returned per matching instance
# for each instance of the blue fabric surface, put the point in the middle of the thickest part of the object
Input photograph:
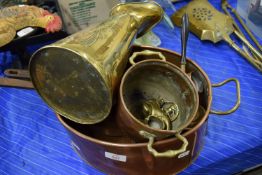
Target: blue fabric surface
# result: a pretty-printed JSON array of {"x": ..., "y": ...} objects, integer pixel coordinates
[{"x": 32, "y": 141}]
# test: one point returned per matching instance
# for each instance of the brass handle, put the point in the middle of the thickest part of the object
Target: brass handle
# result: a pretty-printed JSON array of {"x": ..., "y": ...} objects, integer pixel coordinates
[
  {"x": 169, "y": 153},
  {"x": 17, "y": 73},
  {"x": 146, "y": 52},
  {"x": 238, "y": 97},
  {"x": 252, "y": 60},
  {"x": 246, "y": 42},
  {"x": 12, "y": 82}
]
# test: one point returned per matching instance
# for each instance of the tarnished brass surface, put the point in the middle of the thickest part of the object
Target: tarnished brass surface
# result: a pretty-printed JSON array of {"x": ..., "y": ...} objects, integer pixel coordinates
[
  {"x": 209, "y": 24},
  {"x": 170, "y": 109},
  {"x": 77, "y": 75},
  {"x": 155, "y": 116},
  {"x": 159, "y": 113}
]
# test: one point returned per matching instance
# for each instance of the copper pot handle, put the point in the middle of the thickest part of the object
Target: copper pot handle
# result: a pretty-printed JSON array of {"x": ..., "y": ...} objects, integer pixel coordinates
[
  {"x": 238, "y": 97},
  {"x": 169, "y": 153},
  {"x": 145, "y": 52}
]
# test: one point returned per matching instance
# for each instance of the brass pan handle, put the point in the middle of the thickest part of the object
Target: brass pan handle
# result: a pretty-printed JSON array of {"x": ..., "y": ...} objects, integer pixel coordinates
[
  {"x": 238, "y": 97},
  {"x": 146, "y": 52},
  {"x": 169, "y": 153}
]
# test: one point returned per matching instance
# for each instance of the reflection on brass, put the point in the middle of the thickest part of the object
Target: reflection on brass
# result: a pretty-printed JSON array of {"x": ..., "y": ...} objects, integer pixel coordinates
[
  {"x": 170, "y": 109},
  {"x": 77, "y": 76},
  {"x": 154, "y": 112},
  {"x": 160, "y": 111},
  {"x": 209, "y": 24}
]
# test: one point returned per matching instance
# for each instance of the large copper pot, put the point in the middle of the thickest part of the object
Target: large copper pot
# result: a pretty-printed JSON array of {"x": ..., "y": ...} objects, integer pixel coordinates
[{"x": 106, "y": 148}]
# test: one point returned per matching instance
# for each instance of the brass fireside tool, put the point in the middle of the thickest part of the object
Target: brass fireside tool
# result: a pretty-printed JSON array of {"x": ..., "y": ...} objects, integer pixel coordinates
[
  {"x": 77, "y": 76},
  {"x": 209, "y": 24},
  {"x": 225, "y": 7}
]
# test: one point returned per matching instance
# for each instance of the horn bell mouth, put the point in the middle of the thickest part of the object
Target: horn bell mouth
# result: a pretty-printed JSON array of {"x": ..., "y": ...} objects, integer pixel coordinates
[{"x": 70, "y": 85}]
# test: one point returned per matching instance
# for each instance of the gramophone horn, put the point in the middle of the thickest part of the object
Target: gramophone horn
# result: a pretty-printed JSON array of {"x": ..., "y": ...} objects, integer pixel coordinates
[{"x": 77, "y": 76}]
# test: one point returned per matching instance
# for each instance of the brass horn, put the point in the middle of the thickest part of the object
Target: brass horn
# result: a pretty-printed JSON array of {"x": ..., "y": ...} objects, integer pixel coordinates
[{"x": 77, "y": 76}]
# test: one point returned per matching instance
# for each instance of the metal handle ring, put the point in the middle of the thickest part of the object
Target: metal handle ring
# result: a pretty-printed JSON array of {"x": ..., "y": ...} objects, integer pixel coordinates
[
  {"x": 168, "y": 153},
  {"x": 146, "y": 52},
  {"x": 233, "y": 109}
]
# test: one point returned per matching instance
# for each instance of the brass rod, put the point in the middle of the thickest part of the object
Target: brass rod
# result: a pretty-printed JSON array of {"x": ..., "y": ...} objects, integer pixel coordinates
[
  {"x": 248, "y": 52},
  {"x": 254, "y": 62},
  {"x": 247, "y": 29},
  {"x": 242, "y": 38},
  {"x": 254, "y": 52},
  {"x": 234, "y": 22}
]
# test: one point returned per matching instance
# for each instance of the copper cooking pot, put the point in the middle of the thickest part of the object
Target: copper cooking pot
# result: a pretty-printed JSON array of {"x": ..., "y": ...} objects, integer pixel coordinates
[
  {"x": 106, "y": 148},
  {"x": 142, "y": 87}
]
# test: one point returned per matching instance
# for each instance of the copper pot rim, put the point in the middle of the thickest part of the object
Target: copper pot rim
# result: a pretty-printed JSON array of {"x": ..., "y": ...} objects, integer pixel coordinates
[
  {"x": 160, "y": 142},
  {"x": 179, "y": 72}
]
